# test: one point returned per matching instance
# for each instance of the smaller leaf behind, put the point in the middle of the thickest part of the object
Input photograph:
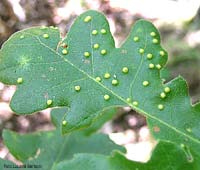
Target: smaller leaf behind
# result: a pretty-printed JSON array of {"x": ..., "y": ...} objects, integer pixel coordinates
[
  {"x": 166, "y": 156},
  {"x": 49, "y": 148}
]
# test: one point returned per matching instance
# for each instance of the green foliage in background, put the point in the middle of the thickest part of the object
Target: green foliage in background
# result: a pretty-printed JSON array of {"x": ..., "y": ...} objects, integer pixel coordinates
[
  {"x": 162, "y": 159},
  {"x": 86, "y": 74},
  {"x": 49, "y": 148}
]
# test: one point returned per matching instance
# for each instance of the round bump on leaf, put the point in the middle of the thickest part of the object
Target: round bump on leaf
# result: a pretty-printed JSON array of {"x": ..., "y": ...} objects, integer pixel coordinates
[
  {"x": 87, "y": 18},
  {"x": 128, "y": 100},
  {"x": 45, "y": 35},
  {"x": 106, "y": 75},
  {"x": 167, "y": 89},
  {"x": 106, "y": 97},
  {"x": 86, "y": 54},
  {"x": 135, "y": 103},
  {"x": 115, "y": 82},
  {"x": 103, "y": 31},
  {"x": 98, "y": 79},
  {"x": 162, "y": 95},
  {"x": 162, "y": 53},
  {"x": 77, "y": 88},
  {"x": 141, "y": 50},
  {"x": 145, "y": 83},
  {"x": 155, "y": 41},
  {"x": 160, "y": 107},
  {"x": 94, "y": 32},
  {"x": 103, "y": 52},
  {"x": 151, "y": 65},
  {"x": 136, "y": 39},
  {"x": 49, "y": 102},
  {"x": 158, "y": 66},
  {"x": 19, "y": 80},
  {"x": 153, "y": 34},
  {"x": 149, "y": 56},
  {"x": 64, "y": 51},
  {"x": 125, "y": 70},
  {"x": 21, "y": 37},
  {"x": 64, "y": 122},
  {"x": 96, "y": 46}
]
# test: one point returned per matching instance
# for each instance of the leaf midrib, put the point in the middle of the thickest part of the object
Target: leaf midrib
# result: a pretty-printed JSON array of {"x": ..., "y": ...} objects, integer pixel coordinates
[{"x": 116, "y": 95}]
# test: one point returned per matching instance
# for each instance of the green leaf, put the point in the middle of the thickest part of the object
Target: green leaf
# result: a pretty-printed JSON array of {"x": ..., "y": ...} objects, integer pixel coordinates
[
  {"x": 166, "y": 156},
  {"x": 49, "y": 148},
  {"x": 87, "y": 74},
  {"x": 50, "y": 78}
]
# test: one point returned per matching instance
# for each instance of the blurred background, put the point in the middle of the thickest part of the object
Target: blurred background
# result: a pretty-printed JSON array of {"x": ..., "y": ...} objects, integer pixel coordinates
[{"x": 178, "y": 22}]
